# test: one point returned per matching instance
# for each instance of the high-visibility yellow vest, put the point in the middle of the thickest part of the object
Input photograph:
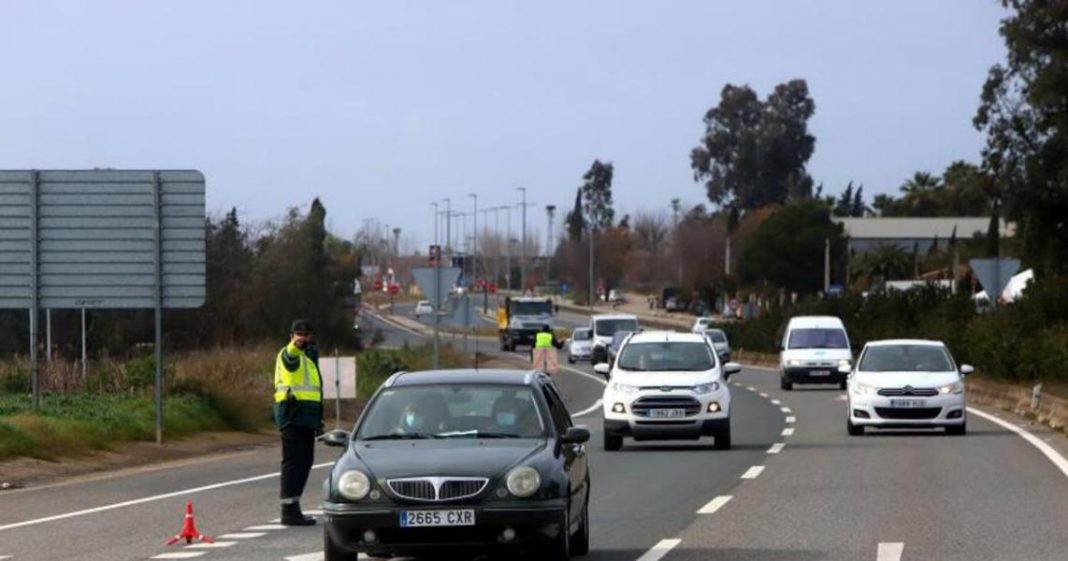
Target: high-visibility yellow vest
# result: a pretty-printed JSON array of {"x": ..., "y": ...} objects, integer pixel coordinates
[
  {"x": 543, "y": 340},
  {"x": 305, "y": 383}
]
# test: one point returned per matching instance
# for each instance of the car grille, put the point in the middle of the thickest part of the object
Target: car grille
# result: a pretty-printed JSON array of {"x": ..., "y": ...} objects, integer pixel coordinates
[
  {"x": 908, "y": 413},
  {"x": 437, "y": 489},
  {"x": 643, "y": 405},
  {"x": 908, "y": 390}
]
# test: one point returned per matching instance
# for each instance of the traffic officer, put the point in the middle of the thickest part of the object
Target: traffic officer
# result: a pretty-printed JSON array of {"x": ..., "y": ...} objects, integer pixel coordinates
[
  {"x": 298, "y": 412},
  {"x": 543, "y": 355}
]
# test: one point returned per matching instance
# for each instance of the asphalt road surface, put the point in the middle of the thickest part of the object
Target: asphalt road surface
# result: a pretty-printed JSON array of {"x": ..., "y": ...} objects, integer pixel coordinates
[{"x": 794, "y": 487}]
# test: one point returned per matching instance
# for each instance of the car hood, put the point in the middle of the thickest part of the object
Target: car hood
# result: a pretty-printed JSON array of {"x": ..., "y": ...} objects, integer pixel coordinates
[
  {"x": 454, "y": 457},
  {"x": 657, "y": 378},
  {"x": 902, "y": 379}
]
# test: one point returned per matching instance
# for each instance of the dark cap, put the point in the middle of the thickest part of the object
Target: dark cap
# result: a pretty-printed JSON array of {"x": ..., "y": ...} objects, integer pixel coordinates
[{"x": 300, "y": 325}]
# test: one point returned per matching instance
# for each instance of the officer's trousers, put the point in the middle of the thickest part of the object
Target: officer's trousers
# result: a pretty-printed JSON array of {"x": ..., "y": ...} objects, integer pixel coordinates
[{"x": 298, "y": 454}]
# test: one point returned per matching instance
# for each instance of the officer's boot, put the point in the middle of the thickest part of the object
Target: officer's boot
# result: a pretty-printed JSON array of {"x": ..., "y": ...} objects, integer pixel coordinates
[{"x": 292, "y": 516}]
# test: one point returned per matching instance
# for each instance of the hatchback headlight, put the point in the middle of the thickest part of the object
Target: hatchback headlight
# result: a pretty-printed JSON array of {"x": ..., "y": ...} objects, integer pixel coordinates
[
  {"x": 523, "y": 481},
  {"x": 860, "y": 388},
  {"x": 954, "y": 388},
  {"x": 706, "y": 388},
  {"x": 624, "y": 388},
  {"x": 354, "y": 485}
]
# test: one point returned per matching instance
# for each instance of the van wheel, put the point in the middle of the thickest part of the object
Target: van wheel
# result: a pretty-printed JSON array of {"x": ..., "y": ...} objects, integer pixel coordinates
[
  {"x": 854, "y": 430},
  {"x": 842, "y": 385},
  {"x": 785, "y": 384}
]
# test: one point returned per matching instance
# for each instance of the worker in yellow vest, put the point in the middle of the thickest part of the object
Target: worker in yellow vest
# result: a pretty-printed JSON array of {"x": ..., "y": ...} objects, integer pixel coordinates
[
  {"x": 543, "y": 355},
  {"x": 298, "y": 412}
]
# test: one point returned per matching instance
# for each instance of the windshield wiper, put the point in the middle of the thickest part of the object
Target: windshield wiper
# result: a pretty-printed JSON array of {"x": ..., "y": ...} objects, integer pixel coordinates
[
  {"x": 401, "y": 436},
  {"x": 497, "y": 435}
]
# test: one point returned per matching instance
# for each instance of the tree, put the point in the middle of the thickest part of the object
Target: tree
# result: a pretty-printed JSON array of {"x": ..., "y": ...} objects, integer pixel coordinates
[
  {"x": 1024, "y": 113},
  {"x": 597, "y": 195},
  {"x": 787, "y": 249},
  {"x": 754, "y": 153},
  {"x": 884, "y": 262},
  {"x": 576, "y": 224}
]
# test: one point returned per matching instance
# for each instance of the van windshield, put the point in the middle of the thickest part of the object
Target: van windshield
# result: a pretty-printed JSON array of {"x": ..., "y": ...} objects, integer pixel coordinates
[
  {"x": 608, "y": 327},
  {"x": 581, "y": 335},
  {"x": 817, "y": 338}
]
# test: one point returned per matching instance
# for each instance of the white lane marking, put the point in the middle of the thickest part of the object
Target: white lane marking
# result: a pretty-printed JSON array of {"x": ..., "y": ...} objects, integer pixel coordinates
[
  {"x": 750, "y": 388},
  {"x": 213, "y": 545},
  {"x": 842, "y": 398},
  {"x": 890, "y": 551},
  {"x": 2, "y": 557},
  {"x": 659, "y": 550},
  {"x": 150, "y": 499},
  {"x": 788, "y": 431},
  {"x": 1054, "y": 456},
  {"x": 753, "y": 472},
  {"x": 263, "y": 527},
  {"x": 776, "y": 448},
  {"x": 790, "y": 420},
  {"x": 786, "y": 410},
  {"x": 764, "y": 395},
  {"x": 776, "y": 402},
  {"x": 588, "y": 410},
  {"x": 586, "y": 374},
  {"x": 312, "y": 513},
  {"x": 242, "y": 535},
  {"x": 715, "y": 504},
  {"x": 314, "y": 556},
  {"x": 180, "y": 555}
]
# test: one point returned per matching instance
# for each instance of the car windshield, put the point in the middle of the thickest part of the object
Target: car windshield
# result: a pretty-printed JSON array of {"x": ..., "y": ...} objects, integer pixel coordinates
[
  {"x": 608, "y": 327},
  {"x": 716, "y": 336},
  {"x": 666, "y": 356},
  {"x": 818, "y": 338},
  {"x": 531, "y": 308},
  {"x": 906, "y": 358},
  {"x": 581, "y": 335},
  {"x": 453, "y": 411}
]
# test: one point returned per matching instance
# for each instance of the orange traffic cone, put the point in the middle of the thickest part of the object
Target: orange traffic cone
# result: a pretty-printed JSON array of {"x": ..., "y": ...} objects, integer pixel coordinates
[{"x": 189, "y": 529}]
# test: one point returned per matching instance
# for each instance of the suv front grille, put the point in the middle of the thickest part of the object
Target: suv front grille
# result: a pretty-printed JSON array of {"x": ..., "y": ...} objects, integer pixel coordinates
[
  {"x": 437, "y": 489},
  {"x": 644, "y": 405},
  {"x": 919, "y": 392}
]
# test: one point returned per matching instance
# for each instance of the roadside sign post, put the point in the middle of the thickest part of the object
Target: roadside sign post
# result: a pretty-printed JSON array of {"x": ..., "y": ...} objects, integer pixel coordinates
[{"x": 435, "y": 282}]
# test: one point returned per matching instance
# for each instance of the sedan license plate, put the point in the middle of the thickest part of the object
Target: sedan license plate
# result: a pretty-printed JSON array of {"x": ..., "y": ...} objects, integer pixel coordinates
[
  {"x": 907, "y": 403},
  {"x": 431, "y": 518},
  {"x": 661, "y": 413},
  {"x": 819, "y": 373}
]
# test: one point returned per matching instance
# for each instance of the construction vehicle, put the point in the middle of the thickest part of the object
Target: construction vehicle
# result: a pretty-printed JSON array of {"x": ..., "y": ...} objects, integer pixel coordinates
[{"x": 520, "y": 318}]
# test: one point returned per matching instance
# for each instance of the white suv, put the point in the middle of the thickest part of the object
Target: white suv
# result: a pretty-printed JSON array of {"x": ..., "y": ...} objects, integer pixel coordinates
[
  {"x": 907, "y": 383},
  {"x": 667, "y": 386}
]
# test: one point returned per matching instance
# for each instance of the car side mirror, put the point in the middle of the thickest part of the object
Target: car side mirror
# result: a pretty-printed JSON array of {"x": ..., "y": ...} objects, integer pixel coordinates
[
  {"x": 575, "y": 435},
  {"x": 336, "y": 438},
  {"x": 966, "y": 369},
  {"x": 845, "y": 369},
  {"x": 731, "y": 368},
  {"x": 602, "y": 368}
]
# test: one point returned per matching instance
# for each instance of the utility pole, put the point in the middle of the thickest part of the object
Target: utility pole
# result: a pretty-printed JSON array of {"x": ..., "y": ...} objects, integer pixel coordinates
[
  {"x": 593, "y": 235},
  {"x": 826, "y": 265},
  {"x": 549, "y": 246},
  {"x": 474, "y": 236},
  {"x": 448, "y": 230},
  {"x": 523, "y": 246},
  {"x": 435, "y": 236},
  {"x": 675, "y": 207},
  {"x": 508, "y": 248}
]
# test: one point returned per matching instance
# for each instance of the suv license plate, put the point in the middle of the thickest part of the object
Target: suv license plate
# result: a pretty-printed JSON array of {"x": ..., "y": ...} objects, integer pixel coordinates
[
  {"x": 907, "y": 403},
  {"x": 661, "y": 413},
  {"x": 429, "y": 518},
  {"x": 819, "y": 373}
]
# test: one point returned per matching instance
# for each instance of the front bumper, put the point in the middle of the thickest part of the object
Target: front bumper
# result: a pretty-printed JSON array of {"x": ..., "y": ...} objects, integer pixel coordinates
[
  {"x": 666, "y": 430},
  {"x": 937, "y": 411},
  {"x": 645, "y": 427},
  {"x": 534, "y": 523},
  {"x": 522, "y": 336},
  {"x": 813, "y": 375}
]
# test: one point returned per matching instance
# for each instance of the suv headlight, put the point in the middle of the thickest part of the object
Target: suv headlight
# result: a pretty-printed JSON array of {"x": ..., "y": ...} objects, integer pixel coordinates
[
  {"x": 523, "y": 481},
  {"x": 354, "y": 485},
  {"x": 706, "y": 388},
  {"x": 954, "y": 388},
  {"x": 860, "y": 388},
  {"x": 623, "y": 388}
]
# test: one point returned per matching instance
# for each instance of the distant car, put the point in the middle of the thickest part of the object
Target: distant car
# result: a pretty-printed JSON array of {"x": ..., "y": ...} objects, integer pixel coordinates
[
  {"x": 667, "y": 386},
  {"x": 616, "y": 296},
  {"x": 907, "y": 383},
  {"x": 423, "y": 308},
  {"x": 459, "y": 460},
  {"x": 701, "y": 324},
  {"x": 720, "y": 343},
  {"x": 580, "y": 346}
]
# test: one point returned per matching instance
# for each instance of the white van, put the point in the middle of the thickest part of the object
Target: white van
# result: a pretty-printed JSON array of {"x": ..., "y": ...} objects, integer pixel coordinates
[
  {"x": 603, "y": 327},
  {"x": 814, "y": 350}
]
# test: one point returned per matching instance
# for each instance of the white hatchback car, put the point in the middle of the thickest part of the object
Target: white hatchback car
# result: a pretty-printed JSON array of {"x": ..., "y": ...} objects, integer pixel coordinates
[
  {"x": 580, "y": 345},
  {"x": 906, "y": 383},
  {"x": 667, "y": 386},
  {"x": 423, "y": 308}
]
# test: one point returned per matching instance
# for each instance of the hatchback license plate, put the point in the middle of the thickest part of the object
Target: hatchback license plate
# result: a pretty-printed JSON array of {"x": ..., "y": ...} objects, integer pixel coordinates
[
  {"x": 907, "y": 403},
  {"x": 427, "y": 518},
  {"x": 667, "y": 412}
]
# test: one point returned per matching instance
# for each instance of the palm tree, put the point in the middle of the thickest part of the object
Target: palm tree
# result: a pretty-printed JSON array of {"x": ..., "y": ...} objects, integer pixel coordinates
[
  {"x": 884, "y": 261},
  {"x": 921, "y": 182}
]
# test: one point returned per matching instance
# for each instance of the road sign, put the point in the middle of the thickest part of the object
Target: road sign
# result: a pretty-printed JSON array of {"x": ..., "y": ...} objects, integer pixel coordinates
[
  {"x": 436, "y": 283},
  {"x": 994, "y": 274},
  {"x": 394, "y": 288},
  {"x": 338, "y": 377},
  {"x": 492, "y": 288},
  {"x": 377, "y": 285},
  {"x": 435, "y": 255}
]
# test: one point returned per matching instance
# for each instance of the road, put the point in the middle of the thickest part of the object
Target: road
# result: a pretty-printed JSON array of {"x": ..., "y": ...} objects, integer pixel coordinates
[{"x": 794, "y": 487}]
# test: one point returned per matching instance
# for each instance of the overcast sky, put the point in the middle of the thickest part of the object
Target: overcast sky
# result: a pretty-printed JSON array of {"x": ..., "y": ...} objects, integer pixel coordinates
[{"x": 380, "y": 108}]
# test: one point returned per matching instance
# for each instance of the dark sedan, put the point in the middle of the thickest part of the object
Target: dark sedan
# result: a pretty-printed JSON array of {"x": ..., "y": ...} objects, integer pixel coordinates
[{"x": 463, "y": 460}]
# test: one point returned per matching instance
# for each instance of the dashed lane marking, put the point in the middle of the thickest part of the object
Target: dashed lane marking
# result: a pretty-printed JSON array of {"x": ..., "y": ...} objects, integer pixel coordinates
[
  {"x": 842, "y": 398},
  {"x": 753, "y": 472},
  {"x": 788, "y": 431},
  {"x": 764, "y": 395},
  {"x": 786, "y": 410},
  {"x": 776, "y": 402},
  {"x": 791, "y": 420},
  {"x": 180, "y": 555},
  {"x": 715, "y": 504},
  {"x": 890, "y": 551},
  {"x": 585, "y": 374},
  {"x": 315, "y": 556},
  {"x": 213, "y": 545},
  {"x": 659, "y": 550},
  {"x": 750, "y": 388},
  {"x": 1054, "y": 456},
  {"x": 242, "y": 535},
  {"x": 776, "y": 448},
  {"x": 263, "y": 527},
  {"x": 313, "y": 513}
]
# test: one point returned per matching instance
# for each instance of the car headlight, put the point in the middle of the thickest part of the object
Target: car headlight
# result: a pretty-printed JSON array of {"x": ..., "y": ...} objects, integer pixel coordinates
[
  {"x": 955, "y": 388},
  {"x": 860, "y": 388},
  {"x": 793, "y": 362},
  {"x": 623, "y": 388},
  {"x": 706, "y": 388},
  {"x": 844, "y": 363},
  {"x": 354, "y": 485},
  {"x": 523, "y": 481}
]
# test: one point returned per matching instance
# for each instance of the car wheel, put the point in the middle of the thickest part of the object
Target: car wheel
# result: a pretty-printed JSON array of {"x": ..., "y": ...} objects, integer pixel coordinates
[
  {"x": 332, "y": 553},
  {"x": 854, "y": 430},
  {"x": 570, "y": 359},
  {"x": 580, "y": 542},
  {"x": 842, "y": 385},
  {"x": 957, "y": 430},
  {"x": 722, "y": 438},
  {"x": 612, "y": 442},
  {"x": 785, "y": 384},
  {"x": 560, "y": 548}
]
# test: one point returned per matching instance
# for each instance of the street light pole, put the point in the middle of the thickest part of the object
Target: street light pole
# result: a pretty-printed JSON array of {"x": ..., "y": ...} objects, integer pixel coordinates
[
  {"x": 508, "y": 248},
  {"x": 435, "y": 237},
  {"x": 593, "y": 234},
  {"x": 474, "y": 235},
  {"x": 448, "y": 229},
  {"x": 523, "y": 243}
]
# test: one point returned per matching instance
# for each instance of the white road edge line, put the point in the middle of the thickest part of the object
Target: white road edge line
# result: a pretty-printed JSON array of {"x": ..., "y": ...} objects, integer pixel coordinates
[
  {"x": 890, "y": 551},
  {"x": 791, "y": 420},
  {"x": 788, "y": 431},
  {"x": 1054, "y": 456},
  {"x": 150, "y": 499},
  {"x": 212, "y": 545},
  {"x": 715, "y": 504},
  {"x": 753, "y": 472},
  {"x": 180, "y": 555},
  {"x": 659, "y": 550},
  {"x": 586, "y": 374},
  {"x": 750, "y": 388},
  {"x": 242, "y": 535},
  {"x": 588, "y": 410},
  {"x": 265, "y": 527},
  {"x": 396, "y": 324},
  {"x": 776, "y": 448},
  {"x": 764, "y": 394}
]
